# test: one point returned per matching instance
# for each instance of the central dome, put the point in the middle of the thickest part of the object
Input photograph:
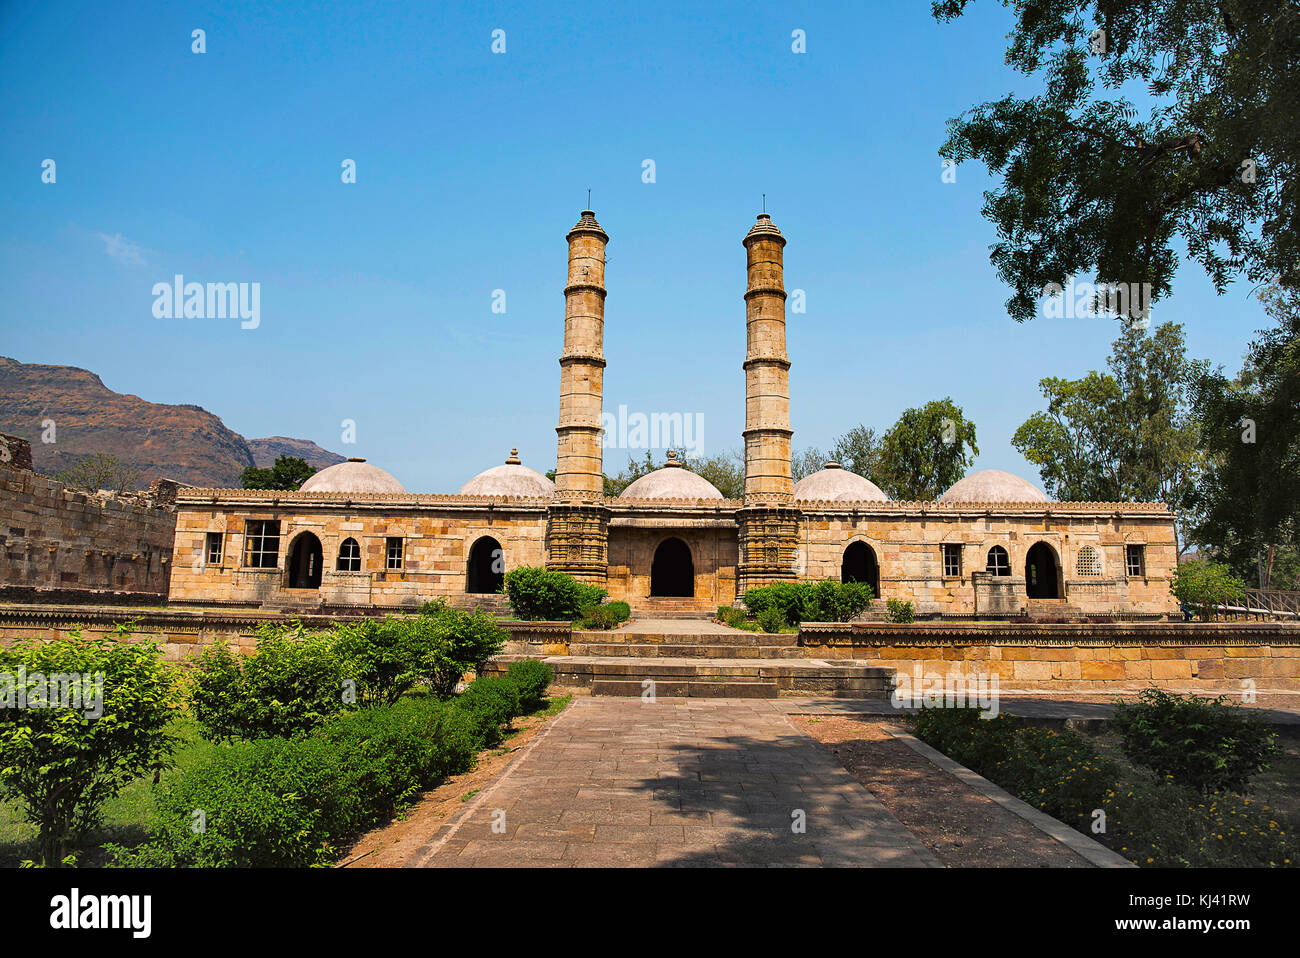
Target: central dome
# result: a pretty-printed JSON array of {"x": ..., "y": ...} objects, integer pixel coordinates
[
  {"x": 671, "y": 482},
  {"x": 511, "y": 479},
  {"x": 834, "y": 483},
  {"x": 993, "y": 485},
  {"x": 355, "y": 475}
]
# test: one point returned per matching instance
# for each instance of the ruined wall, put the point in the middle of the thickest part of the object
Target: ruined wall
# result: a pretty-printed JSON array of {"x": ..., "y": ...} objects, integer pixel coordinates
[{"x": 61, "y": 545}]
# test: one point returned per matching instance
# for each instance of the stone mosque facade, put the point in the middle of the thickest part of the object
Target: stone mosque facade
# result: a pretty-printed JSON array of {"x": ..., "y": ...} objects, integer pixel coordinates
[{"x": 991, "y": 546}]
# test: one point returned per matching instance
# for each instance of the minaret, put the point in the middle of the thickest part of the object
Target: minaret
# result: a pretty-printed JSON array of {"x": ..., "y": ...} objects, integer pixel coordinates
[
  {"x": 578, "y": 523},
  {"x": 768, "y": 521}
]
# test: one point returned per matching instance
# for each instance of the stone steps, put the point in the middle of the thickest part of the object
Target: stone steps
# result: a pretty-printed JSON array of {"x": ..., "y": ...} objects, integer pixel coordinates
[
  {"x": 693, "y": 650},
  {"x": 715, "y": 677},
  {"x": 632, "y": 688},
  {"x": 673, "y": 608},
  {"x": 629, "y": 636}
]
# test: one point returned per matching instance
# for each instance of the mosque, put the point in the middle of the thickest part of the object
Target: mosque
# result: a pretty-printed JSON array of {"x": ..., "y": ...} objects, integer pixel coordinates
[{"x": 991, "y": 546}]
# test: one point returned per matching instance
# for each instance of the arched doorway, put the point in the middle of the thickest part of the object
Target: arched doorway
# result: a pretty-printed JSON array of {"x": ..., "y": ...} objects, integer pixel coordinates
[
  {"x": 860, "y": 565},
  {"x": 305, "y": 562},
  {"x": 1042, "y": 573},
  {"x": 487, "y": 568},
  {"x": 672, "y": 573}
]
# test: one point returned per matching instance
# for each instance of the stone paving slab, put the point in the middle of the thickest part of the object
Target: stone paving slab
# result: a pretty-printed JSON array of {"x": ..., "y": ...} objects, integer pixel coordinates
[{"x": 674, "y": 783}]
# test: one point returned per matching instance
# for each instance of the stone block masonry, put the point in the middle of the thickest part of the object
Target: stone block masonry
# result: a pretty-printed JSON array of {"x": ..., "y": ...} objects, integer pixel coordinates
[{"x": 61, "y": 545}]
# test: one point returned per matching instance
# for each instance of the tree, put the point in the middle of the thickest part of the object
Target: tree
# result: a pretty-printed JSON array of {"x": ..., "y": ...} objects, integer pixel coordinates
[
  {"x": 726, "y": 471},
  {"x": 100, "y": 470},
  {"x": 92, "y": 717},
  {"x": 1127, "y": 434},
  {"x": 1250, "y": 430},
  {"x": 1091, "y": 182},
  {"x": 1203, "y": 586},
  {"x": 859, "y": 450},
  {"x": 288, "y": 474},
  {"x": 925, "y": 452}
]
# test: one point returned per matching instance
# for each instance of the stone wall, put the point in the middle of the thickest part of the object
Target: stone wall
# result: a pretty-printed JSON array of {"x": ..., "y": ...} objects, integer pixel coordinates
[
  {"x": 907, "y": 540},
  {"x": 437, "y": 534},
  {"x": 1216, "y": 657},
  {"x": 61, "y": 545},
  {"x": 184, "y": 632}
]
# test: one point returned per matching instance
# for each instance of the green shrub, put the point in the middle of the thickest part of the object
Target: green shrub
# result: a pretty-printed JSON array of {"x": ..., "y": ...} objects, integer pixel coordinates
[
  {"x": 603, "y": 617},
  {"x": 288, "y": 686},
  {"x": 1201, "y": 585},
  {"x": 1171, "y": 826},
  {"x": 900, "y": 611},
  {"x": 293, "y": 802},
  {"x": 531, "y": 678},
  {"x": 62, "y": 759},
  {"x": 824, "y": 601},
  {"x": 1208, "y": 744},
  {"x": 543, "y": 594},
  {"x": 492, "y": 703},
  {"x": 771, "y": 620}
]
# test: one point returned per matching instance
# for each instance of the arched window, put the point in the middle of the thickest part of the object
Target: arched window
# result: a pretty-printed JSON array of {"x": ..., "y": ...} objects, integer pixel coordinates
[
  {"x": 1088, "y": 562},
  {"x": 349, "y": 556},
  {"x": 999, "y": 562}
]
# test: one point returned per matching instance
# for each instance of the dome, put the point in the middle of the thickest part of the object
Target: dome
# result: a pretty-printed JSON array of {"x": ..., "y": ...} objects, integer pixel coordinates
[
  {"x": 511, "y": 479},
  {"x": 355, "y": 475},
  {"x": 834, "y": 483},
  {"x": 993, "y": 485},
  {"x": 671, "y": 482}
]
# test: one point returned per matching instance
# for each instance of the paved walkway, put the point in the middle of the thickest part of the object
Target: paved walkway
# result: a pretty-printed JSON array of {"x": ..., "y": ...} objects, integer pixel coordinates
[{"x": 677, "y": 782}]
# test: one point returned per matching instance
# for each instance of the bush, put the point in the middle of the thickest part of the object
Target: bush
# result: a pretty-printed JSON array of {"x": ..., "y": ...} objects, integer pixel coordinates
[
  {"x": 1201, "y": 585},
  {"x": 61, "y": 760},
  {"x": 288, "y": 686},
  {"x": 900, "y": 611},
  {"x": 1168, "y": 825},
  {"x": 491, "y": 702},
  {"x": 292, "y": 802},
  {"x": 531, "y": 678},
  {"x": 543, "y": 594},
  {"x": 824, "y": 601},
  {"x": 605, "y": 616},
  {"x": 771, "y": 621},
  {"x": 1201, "y": 743}
]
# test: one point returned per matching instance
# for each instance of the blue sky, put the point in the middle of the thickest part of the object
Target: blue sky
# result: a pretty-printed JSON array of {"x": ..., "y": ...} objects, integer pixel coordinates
[{"x": 471, "y": 166}]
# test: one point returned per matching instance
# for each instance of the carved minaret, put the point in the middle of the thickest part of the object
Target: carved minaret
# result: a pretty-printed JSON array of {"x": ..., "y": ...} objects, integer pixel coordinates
[
  {"x": 768, "y": 522},
  {"x": 578, "y": 523}
]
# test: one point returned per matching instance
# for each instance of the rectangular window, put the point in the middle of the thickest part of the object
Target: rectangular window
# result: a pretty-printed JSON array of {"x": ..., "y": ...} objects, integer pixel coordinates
[
  {"x": 394, "y": 552},
  {"x": 212, "y": 548},
  {"x": 951, "y": 560},
  {"x": 262, "y": 543},
  {"x": 1136, "y": 561}
]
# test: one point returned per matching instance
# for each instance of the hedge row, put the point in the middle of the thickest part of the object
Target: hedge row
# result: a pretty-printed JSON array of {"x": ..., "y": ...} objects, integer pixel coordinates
[
  {"x": 293, "y": 802},
  {"x": 789, "y": 603}
]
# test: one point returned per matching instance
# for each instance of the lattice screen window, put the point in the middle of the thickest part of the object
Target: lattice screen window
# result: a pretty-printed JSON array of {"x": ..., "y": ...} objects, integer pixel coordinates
[
  {"x": 1135, "y": 561},
  {"x": 349, "y": 556},
  {"x": 999, "y": 563},
  {"x": 1088, "y": 563},
  {"x": 262, "y": 543}
]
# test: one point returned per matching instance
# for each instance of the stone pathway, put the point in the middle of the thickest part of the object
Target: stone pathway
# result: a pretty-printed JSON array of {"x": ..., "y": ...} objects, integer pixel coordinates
[{"x": 677, "y": 782}]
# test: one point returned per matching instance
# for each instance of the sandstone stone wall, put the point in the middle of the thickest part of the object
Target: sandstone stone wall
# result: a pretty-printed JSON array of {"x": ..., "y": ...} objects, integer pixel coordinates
[
  {"x": 714, "y": 555},
  {"x": 907, "y": 538},
  {"x": 437, "y": 534},
  {"x": 62, "y": 544},
  {"x": 1050, "y": 658}
]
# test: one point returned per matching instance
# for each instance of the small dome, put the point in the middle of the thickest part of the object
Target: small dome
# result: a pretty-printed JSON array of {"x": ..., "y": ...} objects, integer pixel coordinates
[
  {"x": 355, "y": 475},
  {"x": 834, "y": 483},
  {"x": 993, "y": 485},
  {"x": 671, "y": 482},
  {"x": 511, "y": 479}
]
